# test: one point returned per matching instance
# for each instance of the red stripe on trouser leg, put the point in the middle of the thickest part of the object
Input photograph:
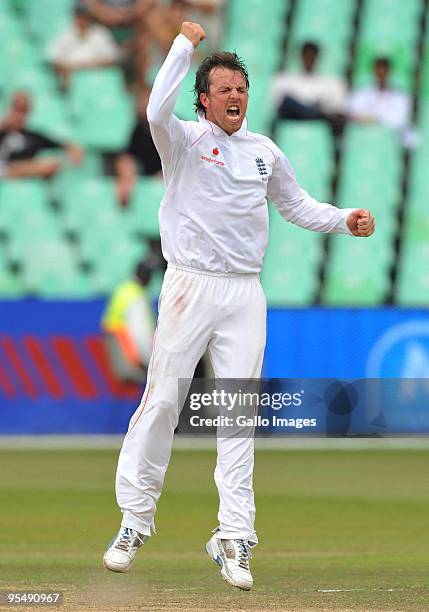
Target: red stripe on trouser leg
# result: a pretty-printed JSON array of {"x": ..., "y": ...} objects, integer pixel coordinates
[
  {"x": 73, "y": 366},
  {"x": 134, "y": 420},
  {"x": 44, "y": 368}
]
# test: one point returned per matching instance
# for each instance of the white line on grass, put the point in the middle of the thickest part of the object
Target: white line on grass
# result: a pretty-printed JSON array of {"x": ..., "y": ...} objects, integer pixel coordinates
[
  {"x": 61, "y": 442},
  {"x": 358, "y": 589}
]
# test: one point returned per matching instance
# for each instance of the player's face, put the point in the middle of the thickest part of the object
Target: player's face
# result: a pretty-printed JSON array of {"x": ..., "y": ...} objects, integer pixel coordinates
[{"x": 226, "y": 101}]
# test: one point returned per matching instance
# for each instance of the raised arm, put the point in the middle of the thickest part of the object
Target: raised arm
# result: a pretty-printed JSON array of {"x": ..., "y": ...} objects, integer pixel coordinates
[
  {"x": 165, "y": 127},
  {"x": 298, "y": 207}
]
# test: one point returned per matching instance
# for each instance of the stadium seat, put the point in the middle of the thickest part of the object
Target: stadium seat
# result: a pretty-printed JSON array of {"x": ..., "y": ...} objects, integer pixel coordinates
[
  {"x": 115, "y": 263},
  {"x": 49, "y": 116},
  {"x": 327, "y": 23},
  {"x": 259, "y": 113},
  {"x": 184, "y": 107},
  {"x": 31, "y": 76},
  {"x": 16, "y": 51},
  {"x": 20, "y": 201},
  {"x": 262, "y": 59},
  {"x": 358, "y": 271},
  {"x": 290, "y": 272},
  {"x": 144, "y": 206},
  {"x": 51, "y": 270},
  {"x": 71, "y": 174},
  {"x": 31, "y": 233},
  {"x": 46, "y": 18},
  {"x": 377, "y": 153},
  {"x": 91, "y": 204},
  {"x": 412, "y": 287},
  {"x": 388, "y": 28},
  {"x": 11, "y": 286},
  {"x": 101, "y": 110},
  {"x": 309, "y": 148}
]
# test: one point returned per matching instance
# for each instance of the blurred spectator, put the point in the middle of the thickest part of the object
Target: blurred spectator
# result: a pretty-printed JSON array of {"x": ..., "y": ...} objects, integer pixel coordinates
[
  {"x": 128, "y": 324},
  {"x": 164, "y": 23},
  {"x": 210, "y": 13},
  {"x": 141, "y": 156},
  {"x": 307, "y": 94},
  {"x": 19, "y": 146},
  {"x": 127, "y": 21},
  {"x": 84, "y": 45},
  {"x": 118, "y": 13},
  {"x": 380, "y": 103}
]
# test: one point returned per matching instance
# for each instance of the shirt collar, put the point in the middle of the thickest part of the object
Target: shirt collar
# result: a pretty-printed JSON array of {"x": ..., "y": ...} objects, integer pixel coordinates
[{"x": 218, "y": 131}]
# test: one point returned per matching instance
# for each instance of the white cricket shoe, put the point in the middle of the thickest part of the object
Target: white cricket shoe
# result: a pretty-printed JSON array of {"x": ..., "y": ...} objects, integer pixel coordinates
[
  {"x": 121, "y": 551},
  {"x": 233, "y": 558}
]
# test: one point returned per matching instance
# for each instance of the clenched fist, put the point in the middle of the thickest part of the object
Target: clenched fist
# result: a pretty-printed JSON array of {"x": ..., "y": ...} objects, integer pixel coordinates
[
  {"x": 361, "y": 223},
  {"x": 193, "y": 31}
]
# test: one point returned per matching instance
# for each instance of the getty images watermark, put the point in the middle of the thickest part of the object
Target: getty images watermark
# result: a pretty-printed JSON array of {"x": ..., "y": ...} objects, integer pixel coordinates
[
  {"x": 242, "y": 408},
  {"x": 235, "y": 408},
  {"x": 306, "y": 406}
]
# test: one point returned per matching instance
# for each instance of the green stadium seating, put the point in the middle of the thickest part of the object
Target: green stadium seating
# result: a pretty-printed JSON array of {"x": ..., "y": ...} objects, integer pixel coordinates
[
  {"x": 358, "y": 271},
  {"x": 49, "y": 116},
  {"x": 10, "y": 27},
  {"x": 17, "y": 5},
  {"x": 388, "y": 27},
  {"x": 32, "y": 76},
  {"x": 184, "y": 107},
  {"x": 46, "y": 18},
  {"x": 90, "y": 205},
  {"x": 115, "y": 263},
  {"x": 11, "y": 286},
  {"x": 309, "y": 147},
  {"x": 16, "y": 51},
  {"x": 97, "y": 111},
  {"x": 26, "y": 218},
  {"x": 259, "y": 112},
  {"x": 412, "y": 287},
  {"x": 291, "y": 266},
  {"x": 21, "y": 201},
  {"x": 371, "y": 172},
  {"x": 144, "y": 206},
  {"x": 51, "y": 270},
  {"x": 91, "y": 211},
  {"x": 290, "y": 272},
  {"x": 101, "y": 110},
  {"x": 71, "y": 174},
  {"x": 262, "y": 59},
  {"x": 328, "y": 23},
  {"x": 31, "y": 233}
]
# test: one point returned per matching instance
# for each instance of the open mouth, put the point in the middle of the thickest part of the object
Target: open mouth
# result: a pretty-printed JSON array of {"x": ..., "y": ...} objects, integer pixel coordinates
[{"x": 233, "y": 111}]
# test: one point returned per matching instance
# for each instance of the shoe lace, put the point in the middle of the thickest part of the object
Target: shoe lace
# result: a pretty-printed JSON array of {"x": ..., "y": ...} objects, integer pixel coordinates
[
  {"x": 126, "y": 540},
  {"x": 244, "y": 554}
]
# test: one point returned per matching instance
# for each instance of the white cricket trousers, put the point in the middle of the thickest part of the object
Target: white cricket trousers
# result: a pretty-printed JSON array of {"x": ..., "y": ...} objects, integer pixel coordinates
[{"x": 226, "y": 314}]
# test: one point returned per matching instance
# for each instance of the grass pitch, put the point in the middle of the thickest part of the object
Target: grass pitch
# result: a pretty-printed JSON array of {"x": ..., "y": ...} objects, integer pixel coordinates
[{"x": 339, "y": 530}]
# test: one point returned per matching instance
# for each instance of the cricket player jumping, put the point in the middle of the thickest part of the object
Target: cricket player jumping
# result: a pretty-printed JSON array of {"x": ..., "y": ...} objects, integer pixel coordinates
[{"x": 214, "y": 231}]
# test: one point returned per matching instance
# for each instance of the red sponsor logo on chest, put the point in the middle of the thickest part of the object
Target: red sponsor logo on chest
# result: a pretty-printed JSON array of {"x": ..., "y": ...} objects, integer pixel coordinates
[{"x": 212, "y": 160}]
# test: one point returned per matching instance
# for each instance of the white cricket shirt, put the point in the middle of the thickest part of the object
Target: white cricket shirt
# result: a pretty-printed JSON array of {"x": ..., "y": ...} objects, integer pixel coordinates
[{"x": 214, "y": 214}]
